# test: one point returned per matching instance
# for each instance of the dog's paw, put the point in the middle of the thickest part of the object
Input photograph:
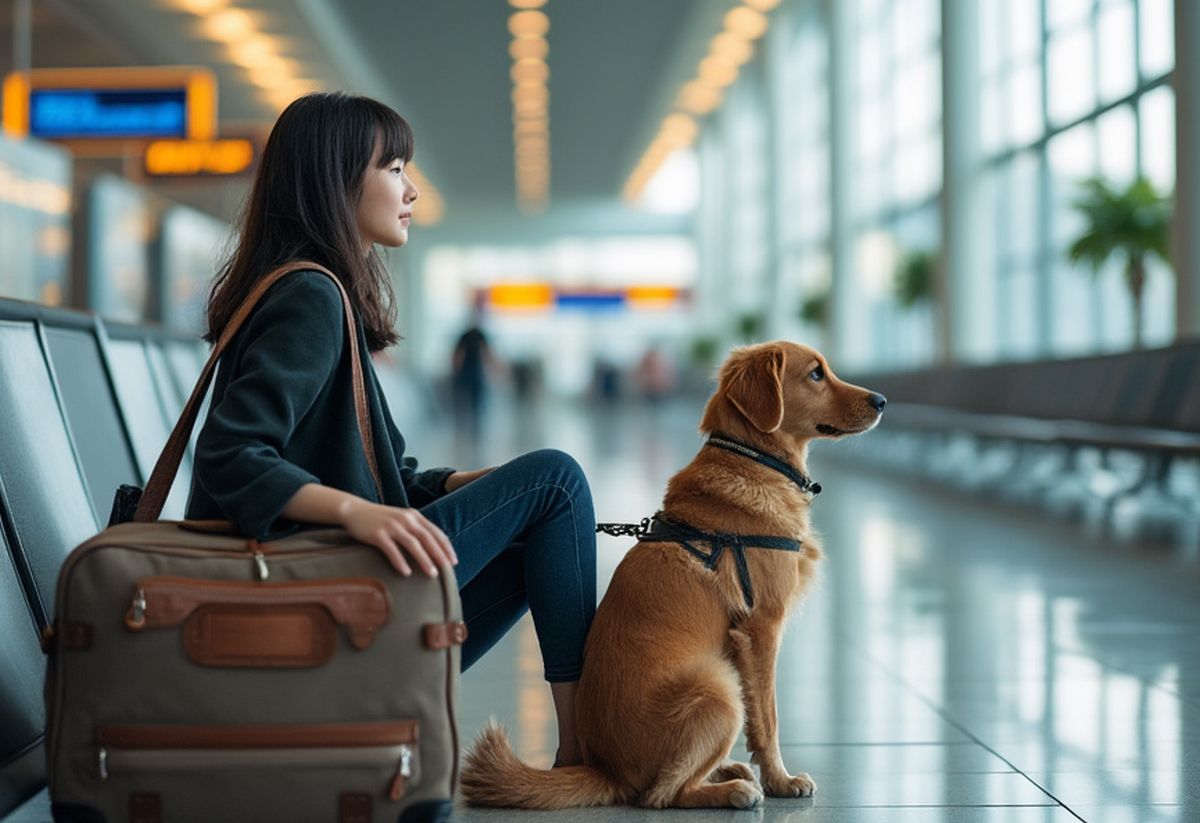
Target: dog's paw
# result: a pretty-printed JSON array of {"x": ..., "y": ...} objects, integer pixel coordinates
[
  {"x": 745, "y": 795},
  {"x": 732, "y": 770},
  {"x": 786, "y": 785}
]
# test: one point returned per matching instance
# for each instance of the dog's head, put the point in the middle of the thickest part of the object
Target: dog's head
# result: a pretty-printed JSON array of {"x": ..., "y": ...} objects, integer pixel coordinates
[{"x": 789, "y": 388}]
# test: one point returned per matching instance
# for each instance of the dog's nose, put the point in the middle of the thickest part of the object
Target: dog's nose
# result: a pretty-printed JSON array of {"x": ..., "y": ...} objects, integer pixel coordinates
[{"x": 877, "y": 401}]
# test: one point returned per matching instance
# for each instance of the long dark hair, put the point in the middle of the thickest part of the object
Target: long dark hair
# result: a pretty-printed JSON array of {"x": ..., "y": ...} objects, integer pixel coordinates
[{"x": 302, "y": 207}]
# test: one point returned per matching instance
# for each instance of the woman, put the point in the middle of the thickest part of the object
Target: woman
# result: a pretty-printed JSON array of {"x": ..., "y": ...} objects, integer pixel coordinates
[{"x": 280, "y": 447}]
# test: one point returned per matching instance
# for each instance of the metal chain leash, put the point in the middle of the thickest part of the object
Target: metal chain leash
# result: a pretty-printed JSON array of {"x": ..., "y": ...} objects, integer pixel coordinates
[{"x": 625, "y": 529}]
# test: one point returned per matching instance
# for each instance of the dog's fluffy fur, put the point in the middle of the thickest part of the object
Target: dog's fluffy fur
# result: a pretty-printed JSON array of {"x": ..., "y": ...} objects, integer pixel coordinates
[{"x": 675, "y": 666}]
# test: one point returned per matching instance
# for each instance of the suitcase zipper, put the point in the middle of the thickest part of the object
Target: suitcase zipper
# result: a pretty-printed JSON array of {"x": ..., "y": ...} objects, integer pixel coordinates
[
  {"x": 150, "y": 760},
  {"x": 260, "y": 566},
  {"x": 125, "y": 749}
]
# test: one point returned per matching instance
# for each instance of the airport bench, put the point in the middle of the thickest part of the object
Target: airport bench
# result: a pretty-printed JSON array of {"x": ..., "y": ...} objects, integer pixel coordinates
[
  {"x": 1082, "y": 436},
  {"x": 84, "y": 406},
  {"x": 1146, "y": 401}
]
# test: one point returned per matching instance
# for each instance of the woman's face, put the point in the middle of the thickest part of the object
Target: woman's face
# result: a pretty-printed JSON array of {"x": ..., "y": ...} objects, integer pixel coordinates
[{"x": 385, "y": 207}]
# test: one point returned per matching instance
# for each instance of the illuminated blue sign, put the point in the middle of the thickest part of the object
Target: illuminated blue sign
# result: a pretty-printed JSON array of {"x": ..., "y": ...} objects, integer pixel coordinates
[
  {"x": 70, "y": 113},
  {"x": 590, "y": 301}
]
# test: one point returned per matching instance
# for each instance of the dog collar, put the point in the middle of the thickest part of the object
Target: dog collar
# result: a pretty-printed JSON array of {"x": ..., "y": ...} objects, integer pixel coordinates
[{"x": 723, "y": 441}]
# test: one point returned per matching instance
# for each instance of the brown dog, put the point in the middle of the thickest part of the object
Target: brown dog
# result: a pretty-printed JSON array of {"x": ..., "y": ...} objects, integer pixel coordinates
[{"x": 677, "y": 660}]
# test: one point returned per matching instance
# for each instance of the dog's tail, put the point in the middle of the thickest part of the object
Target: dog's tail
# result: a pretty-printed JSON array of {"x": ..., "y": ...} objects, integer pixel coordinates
[{"x": 492, "y": 775}]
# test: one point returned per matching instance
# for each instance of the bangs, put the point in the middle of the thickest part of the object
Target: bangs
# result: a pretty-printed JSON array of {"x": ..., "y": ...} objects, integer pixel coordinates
[{"x": 394, "y": 135}]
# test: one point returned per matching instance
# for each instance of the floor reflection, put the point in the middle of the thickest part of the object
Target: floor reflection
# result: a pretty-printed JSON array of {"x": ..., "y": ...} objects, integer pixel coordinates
[{"x": 957, "y": 661}]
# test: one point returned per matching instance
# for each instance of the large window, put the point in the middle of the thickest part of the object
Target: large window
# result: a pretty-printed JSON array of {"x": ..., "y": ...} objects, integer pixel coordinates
[
  {"x": 1067, "y": 90},
  {"x": 1072, "y": 89},
  {"x": 898, "y": 170},
  {"x": 805, "y": 221},
  {"x": 748, "y": 162}
]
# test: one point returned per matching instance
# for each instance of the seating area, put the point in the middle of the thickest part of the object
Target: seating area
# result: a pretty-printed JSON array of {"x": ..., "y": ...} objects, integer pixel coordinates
[
  {"x": 86, "y": 406},
  {"x": 1110, "y": 440}
]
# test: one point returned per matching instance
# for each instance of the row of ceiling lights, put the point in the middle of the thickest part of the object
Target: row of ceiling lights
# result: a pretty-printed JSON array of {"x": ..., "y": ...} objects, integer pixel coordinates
[
  {"x": 728, "y": 51},
  {"x": 530, "y": 74},
  {"x": 278, "y": 77}
]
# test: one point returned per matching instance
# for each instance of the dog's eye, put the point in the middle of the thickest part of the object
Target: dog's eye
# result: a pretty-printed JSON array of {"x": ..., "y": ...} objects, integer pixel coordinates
[{"x": 817, "y": 374}]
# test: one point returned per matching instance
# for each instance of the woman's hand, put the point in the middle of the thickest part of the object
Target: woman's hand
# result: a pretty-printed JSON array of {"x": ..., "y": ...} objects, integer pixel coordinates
[
  {"x": 460, "y": 479},
  {"x": 391, "y": 528}
]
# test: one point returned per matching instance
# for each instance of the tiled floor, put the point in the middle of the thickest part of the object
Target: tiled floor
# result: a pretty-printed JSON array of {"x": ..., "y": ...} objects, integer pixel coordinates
[{"x": 960, "y": 661}]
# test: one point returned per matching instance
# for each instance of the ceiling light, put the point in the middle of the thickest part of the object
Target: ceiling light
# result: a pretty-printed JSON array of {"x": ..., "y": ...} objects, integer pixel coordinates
[
  {"x": 538, "y": 117},
  {"x": 529, "y": 127},
  {"x": 746, "y": 22},
  {"x": 531, "y": 142},
  {"x": 717, "y": 72},
  {"x": 274, "y": 72},
  {"x": 267, "y": 79},
  {"x": 527, "y": 47},
  {"x": 252, "y": 52},
  {"x": 527, "y": 4},
  {"x": 530, "y": 71},
  {"x": 533, "y": 91},
  {"x": 229, "y": 25},
  {"x": 201, "y": 6},
  {"x": 699, "y": 98},
  {"x": 285, "y": 92},
  {"x": 529, "y": 107},
  {"x": 529, "y": 24},
  {"x": 680, "y": 125},
  {"x": 732, "y": 47}
]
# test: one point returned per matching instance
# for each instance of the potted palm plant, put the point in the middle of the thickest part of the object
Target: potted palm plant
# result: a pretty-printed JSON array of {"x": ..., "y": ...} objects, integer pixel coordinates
[
  {"x": 913, "y": 280},
  {"x": 814, "y": 307},
  {"x": 750, "y": 326},
  {"x": 1132, "y": 223}
]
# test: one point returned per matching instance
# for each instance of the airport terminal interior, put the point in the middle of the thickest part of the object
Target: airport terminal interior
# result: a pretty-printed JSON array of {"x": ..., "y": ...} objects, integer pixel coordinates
[{"x": 985, "y": 211}]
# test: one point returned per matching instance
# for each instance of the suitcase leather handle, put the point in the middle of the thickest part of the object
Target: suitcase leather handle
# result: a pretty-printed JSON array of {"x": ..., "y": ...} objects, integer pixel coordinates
[
  {"x": 359, "y": 604},
  {"x": 155, "y": 496}
]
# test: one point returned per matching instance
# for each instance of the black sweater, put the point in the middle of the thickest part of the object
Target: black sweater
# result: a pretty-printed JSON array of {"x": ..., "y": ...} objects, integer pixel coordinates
[{"x": 282, "y": 415}]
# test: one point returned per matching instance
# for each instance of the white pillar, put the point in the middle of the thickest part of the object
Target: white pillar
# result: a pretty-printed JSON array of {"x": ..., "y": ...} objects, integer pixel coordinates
[
  {"x": 966, "y": 289},
  {"x": 407, "y": 270},
  {"x": 1185, "y": 242},
  {"x": 843, "y": 349},
  {"x": 712, "y": 241},
  {"x": 780, "y": 295}
]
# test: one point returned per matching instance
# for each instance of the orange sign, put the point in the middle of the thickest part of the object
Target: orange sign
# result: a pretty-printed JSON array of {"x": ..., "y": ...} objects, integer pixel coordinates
[{"x": 189, "y": 158}]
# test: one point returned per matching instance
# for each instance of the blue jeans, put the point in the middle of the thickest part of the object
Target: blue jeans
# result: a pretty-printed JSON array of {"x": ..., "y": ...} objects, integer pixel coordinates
[{"x": 525, "y": 538}]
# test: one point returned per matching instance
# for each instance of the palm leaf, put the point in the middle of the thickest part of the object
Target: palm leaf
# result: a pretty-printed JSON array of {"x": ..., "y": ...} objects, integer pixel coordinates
[
  {"x": 1131, "y": 223},
  {"x": 913, "y": 279}
]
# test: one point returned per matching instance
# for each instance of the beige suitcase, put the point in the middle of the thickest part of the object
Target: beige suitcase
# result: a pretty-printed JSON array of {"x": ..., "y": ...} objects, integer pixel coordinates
[{"x": 198, "y": 675}]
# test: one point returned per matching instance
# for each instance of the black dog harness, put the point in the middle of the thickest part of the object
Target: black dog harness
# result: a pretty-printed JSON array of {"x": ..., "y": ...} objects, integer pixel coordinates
[{"x": 658, "y": 529}]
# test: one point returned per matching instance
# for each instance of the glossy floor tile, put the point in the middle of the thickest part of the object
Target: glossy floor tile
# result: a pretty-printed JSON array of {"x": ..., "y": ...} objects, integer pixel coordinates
[{"x": 958, "y": 660}]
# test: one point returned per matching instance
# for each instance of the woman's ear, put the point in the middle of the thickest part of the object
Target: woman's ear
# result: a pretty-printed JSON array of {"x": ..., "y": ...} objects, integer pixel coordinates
[{"x": 756, "y": 388}]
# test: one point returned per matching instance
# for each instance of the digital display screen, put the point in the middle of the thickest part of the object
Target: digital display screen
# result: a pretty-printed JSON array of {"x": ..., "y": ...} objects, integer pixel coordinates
[{"x": 71, "y": 113}]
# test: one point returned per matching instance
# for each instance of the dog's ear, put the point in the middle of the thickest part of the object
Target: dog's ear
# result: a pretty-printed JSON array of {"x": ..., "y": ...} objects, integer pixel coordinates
[{"x": 756, "y": 388}]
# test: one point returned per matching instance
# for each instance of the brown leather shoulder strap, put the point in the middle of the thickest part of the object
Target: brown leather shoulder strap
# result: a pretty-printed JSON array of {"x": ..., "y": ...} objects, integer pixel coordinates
[{"x": 167, "y": 466}]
